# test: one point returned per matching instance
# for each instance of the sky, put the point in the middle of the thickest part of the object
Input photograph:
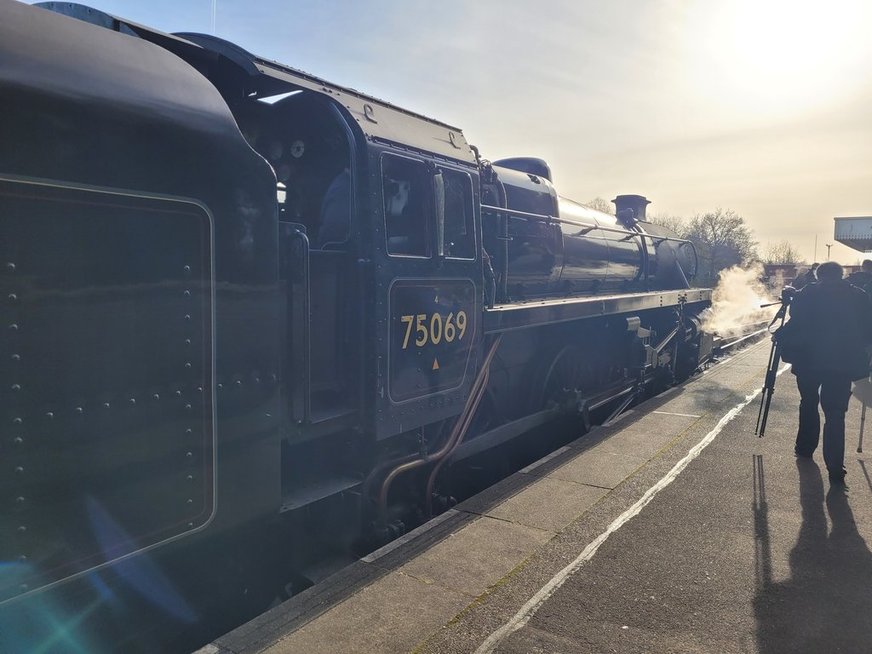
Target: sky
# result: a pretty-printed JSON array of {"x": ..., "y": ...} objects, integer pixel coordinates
[{"x": 759, "y": 106}]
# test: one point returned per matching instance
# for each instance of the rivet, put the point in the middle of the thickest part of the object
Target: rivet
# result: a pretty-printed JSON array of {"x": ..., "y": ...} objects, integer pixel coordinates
[
  {"x": 190, "y": 501},
  {"x": 257, "y": 380},
  {"x": 190, "y": 525},
  {"x": 19, "y": 470},
  {"x": 268, "y": 415},
  {"x": 133, "y": 400},
  {"x": 16, "y": 357},
  {"x": 22, "y": 558},
  {"x": 105, "y": 405},
  {"x": 187, "y": 407},
  {"x": 178, "y": 393},
  {"x": 19, "y": 500},
  {"x": 10, "y": 267},
  {"x": 21, "y": 529},
  {"x": 156, "y": 396},
  {"x": 187, "y": 269},
  {"x": 187, "y": 341},
  {"x": 16, "y": 387},
  {"x": 49, "y": 415},
  {"x": 239, "y": 382},
  {"x": 23, "y": 587},
  {"x": 13, "y": 327},
  {"x": 18, "y": 440},
  {"x": 188, "y": 365},
  {"x": 79, "y": 410},
  {"x": 187, "y": 293},
  {"x": 12, "y": 297},
  {"x": 220, "y": 387},
  {"x": 189, "y": 454},
  {"x": 199, "y": 389},
  {"x": 189, "y": 431},
  {"x": 16, "y": 421},
  {"x": 187, "y": 316},
  {"x": 190, "y": 477}
]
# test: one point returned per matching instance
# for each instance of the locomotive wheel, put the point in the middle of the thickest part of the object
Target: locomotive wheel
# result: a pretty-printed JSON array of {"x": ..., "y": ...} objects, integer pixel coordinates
[{"x": 562, "y": 380}]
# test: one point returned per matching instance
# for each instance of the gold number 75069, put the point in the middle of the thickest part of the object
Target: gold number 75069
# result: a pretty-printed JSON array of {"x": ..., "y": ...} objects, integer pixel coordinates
[{"x": 434, "y": 328}]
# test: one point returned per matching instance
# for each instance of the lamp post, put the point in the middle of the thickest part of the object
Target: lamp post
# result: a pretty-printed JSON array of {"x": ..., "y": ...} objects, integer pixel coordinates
[{"x": 829, "y": 245}]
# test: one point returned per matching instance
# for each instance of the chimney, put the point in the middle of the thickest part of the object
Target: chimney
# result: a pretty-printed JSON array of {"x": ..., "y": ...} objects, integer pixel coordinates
[{"x": 635, "y": 202}]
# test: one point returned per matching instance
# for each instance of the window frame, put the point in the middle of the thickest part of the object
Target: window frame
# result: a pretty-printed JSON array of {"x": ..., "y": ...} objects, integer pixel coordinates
[
  {"x": 469, "y": 200},
  {"x": 430, "y": 216}
]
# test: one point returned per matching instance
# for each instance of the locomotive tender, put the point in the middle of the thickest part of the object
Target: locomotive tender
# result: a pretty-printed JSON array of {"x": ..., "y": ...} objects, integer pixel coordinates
[{"x": 237, "y": 299}]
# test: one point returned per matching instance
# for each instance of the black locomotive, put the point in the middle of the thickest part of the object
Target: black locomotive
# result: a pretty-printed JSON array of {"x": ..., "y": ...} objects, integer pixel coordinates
[{"x": 243, "y": 307}]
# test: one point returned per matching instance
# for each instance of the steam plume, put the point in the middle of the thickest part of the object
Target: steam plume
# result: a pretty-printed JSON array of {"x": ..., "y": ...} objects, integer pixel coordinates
[{"x": 736, "y": 302}]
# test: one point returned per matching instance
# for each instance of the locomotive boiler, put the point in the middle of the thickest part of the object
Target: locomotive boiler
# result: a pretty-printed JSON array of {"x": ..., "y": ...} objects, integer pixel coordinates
[{"x": 250, "y": 315}]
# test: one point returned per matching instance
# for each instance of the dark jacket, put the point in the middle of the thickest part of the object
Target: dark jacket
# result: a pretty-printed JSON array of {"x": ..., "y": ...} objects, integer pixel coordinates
[
  {"x": 861, "y": 279},
  {"x": 832, "y": 321},
  {"x": 803, "y": 279}
]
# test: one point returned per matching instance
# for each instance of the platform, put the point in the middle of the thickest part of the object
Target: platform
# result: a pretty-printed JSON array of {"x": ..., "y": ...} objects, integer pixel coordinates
[{"x": 674, "y": 529}]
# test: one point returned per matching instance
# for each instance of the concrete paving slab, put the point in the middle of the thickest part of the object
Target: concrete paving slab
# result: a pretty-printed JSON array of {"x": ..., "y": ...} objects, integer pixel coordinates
[
  {"x": 477, "y": 556},
  {"x": 548, "y": 504},
  {"x": 390, "y": 616},
  {"x": 600, "y": 467},
  {"x": 646, "y": 436}
]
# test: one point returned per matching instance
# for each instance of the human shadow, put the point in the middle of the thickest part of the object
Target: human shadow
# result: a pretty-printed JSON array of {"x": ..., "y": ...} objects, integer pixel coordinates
[{"x": 826, "y": 604}]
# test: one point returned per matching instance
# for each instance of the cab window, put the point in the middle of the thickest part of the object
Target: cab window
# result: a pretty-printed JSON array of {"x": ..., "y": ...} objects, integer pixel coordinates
[
  {"x": 407, "y": 192},
  {"x": 459, "y": 233}
]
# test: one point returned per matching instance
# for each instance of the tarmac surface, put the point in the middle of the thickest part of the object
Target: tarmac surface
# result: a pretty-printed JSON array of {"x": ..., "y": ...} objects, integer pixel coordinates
[{"x": 674, "y": 529}]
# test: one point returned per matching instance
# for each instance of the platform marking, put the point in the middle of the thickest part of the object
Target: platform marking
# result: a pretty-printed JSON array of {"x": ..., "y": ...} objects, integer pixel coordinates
[
  {"x": 681, "y": 415},
  {"x": 529, "y": 609}
]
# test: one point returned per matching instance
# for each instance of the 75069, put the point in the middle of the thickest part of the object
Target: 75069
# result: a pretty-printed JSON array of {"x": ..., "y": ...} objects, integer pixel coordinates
[{"x": 434, "y": 328}]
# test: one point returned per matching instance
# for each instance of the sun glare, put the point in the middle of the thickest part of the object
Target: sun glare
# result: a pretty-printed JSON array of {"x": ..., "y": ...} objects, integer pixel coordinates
[{"x": 786, "y": 55}]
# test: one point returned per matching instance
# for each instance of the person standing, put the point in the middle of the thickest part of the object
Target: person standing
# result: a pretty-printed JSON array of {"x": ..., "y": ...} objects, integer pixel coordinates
[
  {"x": 832, "y": 323},
  {"x": 863, "y": 277},
  {"x": 806, "y": 278}
]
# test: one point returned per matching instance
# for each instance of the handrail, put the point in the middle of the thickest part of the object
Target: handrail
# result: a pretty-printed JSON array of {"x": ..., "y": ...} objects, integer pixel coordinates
[
  {"x": 585, "y": 228},
  {"x": 301, "y": 325}
]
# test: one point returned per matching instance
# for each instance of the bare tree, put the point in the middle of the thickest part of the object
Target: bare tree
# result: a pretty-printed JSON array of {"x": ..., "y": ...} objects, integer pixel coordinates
[
  {"x": 675, "y": 224},
  {"x": 601, "y": 205},
  {"x": 781, "y": 252},
  {"x": 722, "y": 239}
]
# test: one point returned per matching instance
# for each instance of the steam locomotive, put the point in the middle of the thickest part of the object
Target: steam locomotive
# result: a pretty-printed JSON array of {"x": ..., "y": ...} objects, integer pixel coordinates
[{"x": 244, "y": 308}]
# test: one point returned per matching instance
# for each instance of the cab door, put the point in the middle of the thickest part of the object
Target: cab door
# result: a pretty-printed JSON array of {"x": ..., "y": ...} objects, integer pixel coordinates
[{"x": 428, "y": 276}]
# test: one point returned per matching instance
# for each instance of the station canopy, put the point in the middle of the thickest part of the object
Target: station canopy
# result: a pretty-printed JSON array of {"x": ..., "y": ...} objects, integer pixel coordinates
[{"x": 855, "y": 232}]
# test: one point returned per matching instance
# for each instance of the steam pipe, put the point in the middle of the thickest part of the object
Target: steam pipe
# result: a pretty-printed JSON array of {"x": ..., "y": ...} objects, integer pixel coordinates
[
  {"x": 431, "y": 481},
  {"x": 478, "y": 388}
]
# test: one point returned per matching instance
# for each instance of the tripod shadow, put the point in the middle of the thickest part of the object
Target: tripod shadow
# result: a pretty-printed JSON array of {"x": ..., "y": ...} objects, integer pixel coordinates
[{"x": 826, "y": 604}]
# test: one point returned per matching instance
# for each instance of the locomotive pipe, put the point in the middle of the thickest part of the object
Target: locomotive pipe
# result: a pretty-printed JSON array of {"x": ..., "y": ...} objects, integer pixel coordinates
[
  {"x": 457, "y": 432},
  {"x": 431, "y": 481}
]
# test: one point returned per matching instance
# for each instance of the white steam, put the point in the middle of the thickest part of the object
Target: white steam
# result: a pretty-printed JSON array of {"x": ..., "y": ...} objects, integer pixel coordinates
[{"x": 736, "y": 302}]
